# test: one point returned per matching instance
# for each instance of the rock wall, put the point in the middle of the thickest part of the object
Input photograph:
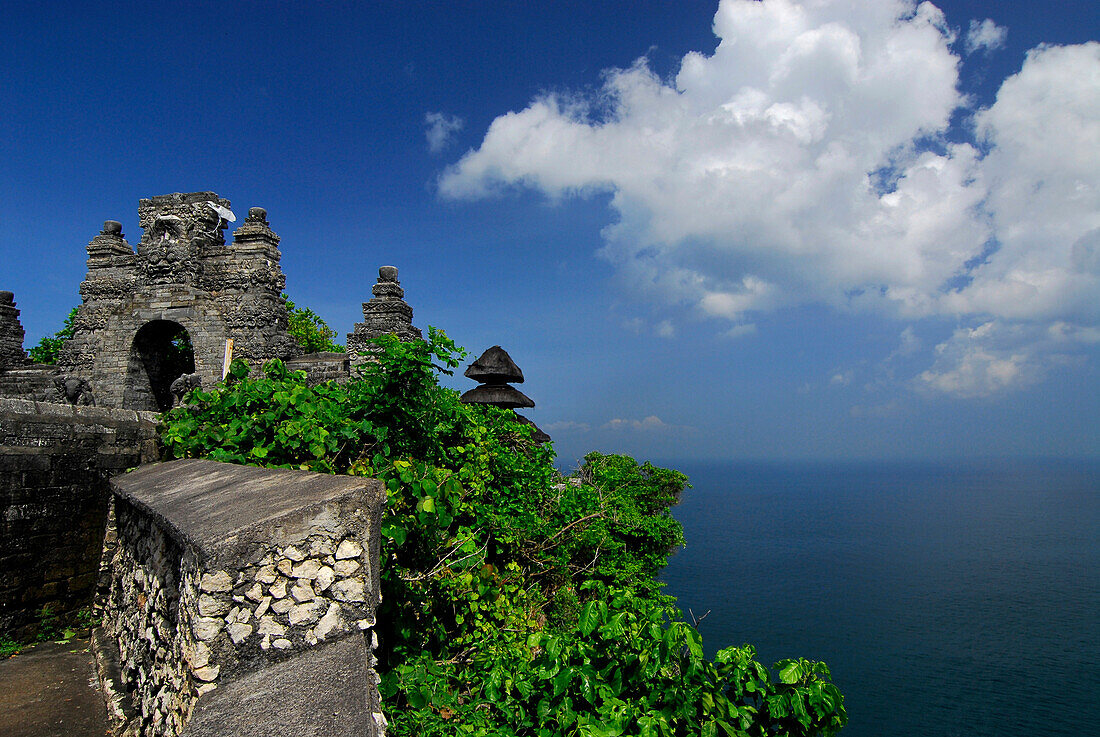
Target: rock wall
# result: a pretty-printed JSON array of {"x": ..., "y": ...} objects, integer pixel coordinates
[
  {"x": 55, "y": 462},
  {"x": 226, "y": 575}
]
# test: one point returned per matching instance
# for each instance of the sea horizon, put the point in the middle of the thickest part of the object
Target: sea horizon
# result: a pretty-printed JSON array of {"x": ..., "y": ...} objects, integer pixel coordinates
[{"x": 944, "y": 595}]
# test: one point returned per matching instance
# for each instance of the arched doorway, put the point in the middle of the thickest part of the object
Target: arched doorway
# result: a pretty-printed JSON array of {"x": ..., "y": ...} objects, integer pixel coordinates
[{"x": 160, "y": 353}]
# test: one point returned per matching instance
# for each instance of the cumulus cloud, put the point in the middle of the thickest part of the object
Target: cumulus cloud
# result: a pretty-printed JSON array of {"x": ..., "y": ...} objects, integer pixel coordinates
[
  {"x": 985, "y": 36},
  {"x": 806, "y": 161},
  {"x": 977, "y": 362},
  {"x": 440, "y": 129},
  {"x": 842, "y": 378},
  {"x": 999, "y": 356}
]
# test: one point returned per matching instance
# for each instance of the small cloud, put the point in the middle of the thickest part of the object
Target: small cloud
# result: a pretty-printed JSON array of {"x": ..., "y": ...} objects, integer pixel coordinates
[
  {"x": 639, "y": 326},
  {"x": 740, "y": 331},
  {"x": 981, "y": 362},
  {"x": 841, "y": 378},
  {"x": 985, "y": 36},
  {"x": 805, "y": 388},
  {"x": 649, "y": 424},
  {"x": 568, "y": 426},
  {"x": 908, "y": 344},
  {"x": 440, "y": 129}
]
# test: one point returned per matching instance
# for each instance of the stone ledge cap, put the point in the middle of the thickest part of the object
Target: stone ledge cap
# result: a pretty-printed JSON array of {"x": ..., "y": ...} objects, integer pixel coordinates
[{"x": 211, "y": 506}]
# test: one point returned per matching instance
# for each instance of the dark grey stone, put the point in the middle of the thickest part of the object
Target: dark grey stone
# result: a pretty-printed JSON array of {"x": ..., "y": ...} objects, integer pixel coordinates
[
  {"x": 182, "y": 279},
  {"x": 494, "y": 366},
  {"x": 321, "y": 692},
  {"x": 498, "y": 395},
  {"x": 386, "y": 313}
]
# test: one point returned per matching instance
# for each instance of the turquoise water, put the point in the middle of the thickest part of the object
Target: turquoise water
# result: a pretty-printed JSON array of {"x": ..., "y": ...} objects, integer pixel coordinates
[{"x": 947, "y": 599}]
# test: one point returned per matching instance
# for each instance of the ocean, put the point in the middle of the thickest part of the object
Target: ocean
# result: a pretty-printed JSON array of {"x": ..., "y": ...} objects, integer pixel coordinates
[{"x": 947, "y": 599}]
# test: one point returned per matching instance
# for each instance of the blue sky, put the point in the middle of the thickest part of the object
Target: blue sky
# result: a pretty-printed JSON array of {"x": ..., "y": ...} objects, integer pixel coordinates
[{"x": 855, "y": 229}]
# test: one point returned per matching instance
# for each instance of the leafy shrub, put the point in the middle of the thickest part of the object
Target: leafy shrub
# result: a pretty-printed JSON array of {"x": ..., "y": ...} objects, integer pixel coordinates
[
  {"x": 515, "y": 601},
  {"x": 49, "y": 347},
  {"x": 308, "y": 328}
]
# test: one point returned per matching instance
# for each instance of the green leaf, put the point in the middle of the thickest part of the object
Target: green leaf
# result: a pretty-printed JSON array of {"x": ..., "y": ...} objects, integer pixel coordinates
[{"x": 588, "y": 618}]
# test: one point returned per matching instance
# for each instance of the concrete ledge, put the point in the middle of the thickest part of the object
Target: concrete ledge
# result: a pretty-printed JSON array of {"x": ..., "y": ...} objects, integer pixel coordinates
[
  {"x": 216, "y": 508},
  {"x": 322, "y": 692}
]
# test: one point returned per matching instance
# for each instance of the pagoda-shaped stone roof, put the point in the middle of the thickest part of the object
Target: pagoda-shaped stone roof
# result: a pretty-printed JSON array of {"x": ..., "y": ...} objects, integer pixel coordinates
[
  {"x": 495, "y": 370},
  {"x": 495, "y": 366}
]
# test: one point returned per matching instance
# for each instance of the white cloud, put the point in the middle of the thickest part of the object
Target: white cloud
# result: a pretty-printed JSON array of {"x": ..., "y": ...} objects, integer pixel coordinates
[
  {"x": 978, "y": 362},
  {"x": 652, "y": 423},
  {"x": 842, "y": 378},
  {"x": 440, "y": 129},
  {"x": 805, "y": 161},
  {"x": 985, "y": 36},
  {"x": 665, "y": 329}
]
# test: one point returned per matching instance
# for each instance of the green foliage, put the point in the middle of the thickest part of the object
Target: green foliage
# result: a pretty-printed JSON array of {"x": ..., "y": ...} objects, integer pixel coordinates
[
  {"x": 515, "y": 601},
  {"x": 9, "y": 648},
  {"x": 309, "y": 329},
  {"x": 48, "y": 348}
]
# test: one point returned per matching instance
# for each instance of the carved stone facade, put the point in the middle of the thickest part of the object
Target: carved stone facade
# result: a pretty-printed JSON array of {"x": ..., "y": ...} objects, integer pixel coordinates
[{"x": 184, "y": 285}]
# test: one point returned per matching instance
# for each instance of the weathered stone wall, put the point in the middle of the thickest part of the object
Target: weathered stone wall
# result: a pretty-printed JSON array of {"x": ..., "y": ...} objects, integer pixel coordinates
[
  {"x": 321, "y": 367},
  {"x": 228, "y": 574},
  {"x": 183, "y": 276},
  {"x": 32, "y": 381},
  {"x": 55, "y": 462}
]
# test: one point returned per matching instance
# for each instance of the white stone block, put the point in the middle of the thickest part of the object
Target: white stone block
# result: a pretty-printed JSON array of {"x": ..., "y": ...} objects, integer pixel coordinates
[
  {"x": 210, "y": 606},
  {"x": 215, "y": 582},
  {"x": 207, "y": 628},
  {"x": 306, "y": 569},
  {"x": 302, "y": 592},
  {"x": 350, "y": 589},
  {"x": 325, "y": 577},
  {"x": 239, "y": 632},
  {"x": 348, "y": 549},
  {"x": 347, "y": 567}
]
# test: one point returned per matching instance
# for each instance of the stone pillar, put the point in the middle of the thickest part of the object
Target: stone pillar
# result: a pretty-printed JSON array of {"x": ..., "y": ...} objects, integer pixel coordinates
[
  {"x": 11, "y": 334},
  {"x": 386, "y": 312}
]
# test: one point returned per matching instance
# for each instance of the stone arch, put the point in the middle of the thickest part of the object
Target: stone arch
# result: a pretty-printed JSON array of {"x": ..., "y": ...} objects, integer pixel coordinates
[
  {"x": 160, "y": 352},
  {"x": 182, "y": 273}
]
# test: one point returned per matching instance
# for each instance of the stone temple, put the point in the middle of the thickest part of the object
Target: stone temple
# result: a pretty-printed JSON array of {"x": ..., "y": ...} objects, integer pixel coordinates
[
  {"x": 165, "y": 312},
  {"x": 184, "y": 284}
]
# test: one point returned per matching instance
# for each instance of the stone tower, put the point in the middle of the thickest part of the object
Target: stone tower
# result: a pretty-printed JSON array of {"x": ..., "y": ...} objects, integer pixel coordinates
[
  {"x": 386, "y": 312},
  {"x": 184, "y": 286},
  {"x": 11, "y": 334}
]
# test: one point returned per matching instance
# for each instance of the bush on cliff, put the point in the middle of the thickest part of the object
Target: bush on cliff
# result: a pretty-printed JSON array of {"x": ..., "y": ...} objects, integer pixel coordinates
[{"x": 515, "y": 601}]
